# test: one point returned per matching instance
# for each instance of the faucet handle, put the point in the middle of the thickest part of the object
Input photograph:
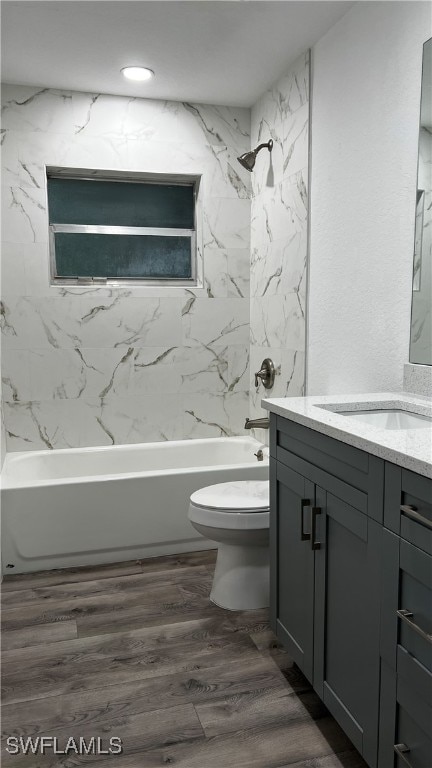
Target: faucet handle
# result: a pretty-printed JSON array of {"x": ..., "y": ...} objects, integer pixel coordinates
[
  {"x": 260, "y": 375},
  {"x": 266, "y": 374}
]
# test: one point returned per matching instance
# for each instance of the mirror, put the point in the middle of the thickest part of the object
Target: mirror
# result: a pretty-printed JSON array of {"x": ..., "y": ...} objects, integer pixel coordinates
[{"x": 421, "y": 315}]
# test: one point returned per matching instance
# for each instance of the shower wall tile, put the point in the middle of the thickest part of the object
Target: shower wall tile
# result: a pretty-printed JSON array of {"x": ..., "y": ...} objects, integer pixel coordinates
[
  {"x": 216, "y": 415},
  {"x": 97, "y": 365},
  {"x": 66, "y": 423},
  {"x": 279, "y": 236},
  {"x": 220, "y": 321}
]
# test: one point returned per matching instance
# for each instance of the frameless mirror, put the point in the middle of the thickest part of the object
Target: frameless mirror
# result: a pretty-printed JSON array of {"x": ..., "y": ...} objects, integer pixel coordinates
[{"x": 421, "y": 316}]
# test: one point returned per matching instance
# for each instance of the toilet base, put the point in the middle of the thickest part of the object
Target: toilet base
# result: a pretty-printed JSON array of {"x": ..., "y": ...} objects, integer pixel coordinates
[{"x": 242, "y": 577}]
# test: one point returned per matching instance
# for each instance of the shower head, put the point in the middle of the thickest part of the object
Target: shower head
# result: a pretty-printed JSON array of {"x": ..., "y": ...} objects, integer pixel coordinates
[{"x": 248, "y": 159}]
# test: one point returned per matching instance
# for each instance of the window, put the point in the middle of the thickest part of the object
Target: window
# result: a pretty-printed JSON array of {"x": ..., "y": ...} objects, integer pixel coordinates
[{"x": 108, "y": 228}]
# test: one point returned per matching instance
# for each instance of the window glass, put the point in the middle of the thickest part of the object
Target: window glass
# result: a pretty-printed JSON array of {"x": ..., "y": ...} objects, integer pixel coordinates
[{"x": 106, "y": 228}]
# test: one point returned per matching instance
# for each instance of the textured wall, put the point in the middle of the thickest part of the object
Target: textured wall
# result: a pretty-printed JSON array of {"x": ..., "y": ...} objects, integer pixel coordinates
[
  {"x": 96, "y": 366},
  {"x": 279, "y": 234},
  {"x": 365, "y": 117}
]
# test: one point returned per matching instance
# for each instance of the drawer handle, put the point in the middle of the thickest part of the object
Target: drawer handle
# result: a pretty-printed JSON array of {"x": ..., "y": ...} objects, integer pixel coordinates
[
  {"x": 315, "y": 511},
  {"x": 411, "y": 512},
  {"x": 401, "y": 750},
  {"x": 305, "y": 503},
  {"x": 406, "y": 617}
]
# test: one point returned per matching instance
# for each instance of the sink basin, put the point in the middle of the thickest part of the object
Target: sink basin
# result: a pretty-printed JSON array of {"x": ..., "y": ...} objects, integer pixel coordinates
[{"x": 391, "y": 419}]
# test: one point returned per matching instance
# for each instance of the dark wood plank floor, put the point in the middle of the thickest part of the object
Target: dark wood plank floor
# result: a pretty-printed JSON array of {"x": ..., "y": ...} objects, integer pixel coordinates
[{"x": 136, "y": 650}]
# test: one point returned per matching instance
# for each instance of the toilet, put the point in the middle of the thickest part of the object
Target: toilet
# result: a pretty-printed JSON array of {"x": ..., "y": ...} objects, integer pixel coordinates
[{"x": 236, "y": 515}]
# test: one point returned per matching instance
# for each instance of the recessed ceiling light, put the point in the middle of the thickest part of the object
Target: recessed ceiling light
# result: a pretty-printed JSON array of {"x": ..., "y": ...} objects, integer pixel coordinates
[{"x": 139, "y": 74}]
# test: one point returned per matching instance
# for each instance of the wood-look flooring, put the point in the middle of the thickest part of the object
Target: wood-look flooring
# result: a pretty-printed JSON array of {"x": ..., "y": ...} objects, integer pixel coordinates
[{"x": 136, "y": 650}]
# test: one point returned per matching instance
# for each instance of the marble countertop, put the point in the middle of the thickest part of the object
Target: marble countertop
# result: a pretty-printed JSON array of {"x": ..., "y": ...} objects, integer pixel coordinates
[{"x": 409, "y": 448}]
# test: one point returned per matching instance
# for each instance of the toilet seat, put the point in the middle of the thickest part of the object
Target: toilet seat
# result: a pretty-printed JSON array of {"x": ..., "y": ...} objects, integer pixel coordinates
[{"x": 241, "y": 504}]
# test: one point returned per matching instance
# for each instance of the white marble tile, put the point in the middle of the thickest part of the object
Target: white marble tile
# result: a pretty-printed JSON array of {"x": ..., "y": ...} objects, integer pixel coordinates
[
  {"x": 29, "y": 323},
  {"x": 215, "y": 415},
  {"x": 144, "y": 418},
  {"x": 15, "y": 375},
  {"x": 290, "y": 133},
  {"x": 219, "y": 321},
  {"x": 238, "y": 273},
  {"x": 213, "y": 368},
  {"x": 24, "y": 218},
  {"x": 130, "y": 322},
  {"x": 227, "y": 224},
  {"x": 50, "y": 424},
  {"x": 74, "y": 321},
  {"x": 30, "y": 108},
  {"x": 216, "y": 273},
  {"x": 280, "y": 267},
  {"x": 103, "y": 373},
  {"x": 238, "y": 368},
  {"x": 282, "y": 99},
  {"x": 13, "y": 271},
  {"x": 281, "y": 212},
  {"x": 226, "y": 126},
  {"x": 10, "y": 168},
  {"x": 278, "y": 321},
  {"x": 56, "y": 374}
]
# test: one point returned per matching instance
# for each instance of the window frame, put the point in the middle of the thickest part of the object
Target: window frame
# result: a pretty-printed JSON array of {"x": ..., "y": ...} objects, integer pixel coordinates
[{"x": 83, "y": 174}]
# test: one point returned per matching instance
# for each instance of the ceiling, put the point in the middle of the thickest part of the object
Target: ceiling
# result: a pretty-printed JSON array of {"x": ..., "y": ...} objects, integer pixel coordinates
[{"x": 201, "y": 51}]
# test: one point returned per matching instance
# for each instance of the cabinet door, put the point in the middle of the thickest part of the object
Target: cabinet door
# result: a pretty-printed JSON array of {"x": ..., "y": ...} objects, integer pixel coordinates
[
  {"x": 405, "y": 717},
  {"x": 347, "y": 604},
  {"x": 292, "y": 564}
]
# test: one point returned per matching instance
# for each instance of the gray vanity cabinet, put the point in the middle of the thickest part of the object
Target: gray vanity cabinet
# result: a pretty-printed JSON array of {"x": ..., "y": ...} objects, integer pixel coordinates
[
  {"x": 406, "y": 635},
  {"x": 292, "y": 576},
  {"x": 351, "y": 588},
  {"x": 347, "y": 613},
  {"x": 325, "y": 574}
]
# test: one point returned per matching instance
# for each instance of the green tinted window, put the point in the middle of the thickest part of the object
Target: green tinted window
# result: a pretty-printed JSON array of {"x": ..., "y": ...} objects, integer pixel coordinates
[
  {"x": 120, "y": 203},
  {"x": 140, "y": 256},
  {"x": 121, "y": 229}
]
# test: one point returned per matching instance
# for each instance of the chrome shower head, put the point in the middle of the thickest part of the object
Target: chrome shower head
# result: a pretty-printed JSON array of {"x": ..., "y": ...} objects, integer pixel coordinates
[{"x": 247, "y": 160}]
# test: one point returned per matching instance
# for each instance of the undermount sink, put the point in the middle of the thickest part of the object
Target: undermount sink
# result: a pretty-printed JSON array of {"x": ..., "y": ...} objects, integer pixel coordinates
[{"x": 393, "y": 418}]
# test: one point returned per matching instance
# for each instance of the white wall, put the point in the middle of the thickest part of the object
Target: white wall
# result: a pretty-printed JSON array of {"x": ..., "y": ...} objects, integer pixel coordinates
[{"x": 365, "y": 120}]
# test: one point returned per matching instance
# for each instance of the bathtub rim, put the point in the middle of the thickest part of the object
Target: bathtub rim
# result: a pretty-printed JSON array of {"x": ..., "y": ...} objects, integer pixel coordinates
[{"x": 10, "y": 483}]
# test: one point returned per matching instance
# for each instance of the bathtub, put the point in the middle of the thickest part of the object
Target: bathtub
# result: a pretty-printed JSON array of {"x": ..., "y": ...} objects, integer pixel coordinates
[{"x": 88, "y": 506}]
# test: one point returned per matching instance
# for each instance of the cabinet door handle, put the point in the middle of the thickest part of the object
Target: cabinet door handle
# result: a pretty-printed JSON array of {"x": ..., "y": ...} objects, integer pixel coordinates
[
  {"x": 401, "y": 750},
  {"x": 305, "y": 503},
  {"x": 315, "y": 511},
  {"x": 406, "y": 617},
  {"x": 410, "y": 511}
]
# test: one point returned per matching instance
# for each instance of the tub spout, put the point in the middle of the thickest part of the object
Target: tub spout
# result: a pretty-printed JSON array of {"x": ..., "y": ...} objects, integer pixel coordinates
[{"x": 257, "y": 423}]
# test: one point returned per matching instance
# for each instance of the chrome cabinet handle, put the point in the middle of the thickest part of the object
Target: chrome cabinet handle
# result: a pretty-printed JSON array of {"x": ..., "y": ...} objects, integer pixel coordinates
[
  {"x": 411, "y": 512},
  {"x": 401, "y": 750},
  {"x": 305, "y": 503},
  {"x": 315, "y": 511},
  {"x": 406, "y": 617}
]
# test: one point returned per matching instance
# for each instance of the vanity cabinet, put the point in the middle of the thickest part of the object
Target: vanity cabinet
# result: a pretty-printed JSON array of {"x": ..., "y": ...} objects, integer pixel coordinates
[
  {"x": 406, "y": 622},
  {"x": 324, "y": 573},
  {"x": 338, "y": 578}
]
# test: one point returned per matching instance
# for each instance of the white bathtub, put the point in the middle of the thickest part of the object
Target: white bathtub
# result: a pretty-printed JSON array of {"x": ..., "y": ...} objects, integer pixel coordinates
[{"x": 86, "y": 506}]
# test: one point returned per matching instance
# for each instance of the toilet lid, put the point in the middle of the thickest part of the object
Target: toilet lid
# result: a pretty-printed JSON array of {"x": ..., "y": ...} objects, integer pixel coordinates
[{"x": 236, "y": 495}]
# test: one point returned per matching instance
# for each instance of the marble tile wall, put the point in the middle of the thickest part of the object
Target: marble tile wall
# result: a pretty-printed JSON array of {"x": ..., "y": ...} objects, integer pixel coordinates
[
  {"x": 279, "y": 235},
  {"x": 97, "y": 366}
]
